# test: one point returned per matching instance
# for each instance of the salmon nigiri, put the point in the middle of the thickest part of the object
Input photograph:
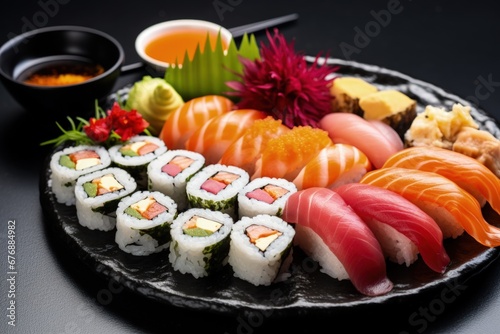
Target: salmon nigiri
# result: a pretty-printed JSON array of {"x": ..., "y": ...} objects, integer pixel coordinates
[
  {"x": 183, "y": 121},
  {"x": 465, "y": 171},
  {"x": 334, "y": 165},
  {"x": 329, "y": 231},
  {"x": 285, "y": 155},
  {"x": 214, "y": 137},
  {"x": 453, "y": 208},
  {"x": 245, "y": 151},
  {"x": 402, "y": 228},
  {"x": 375, "y": 138}
]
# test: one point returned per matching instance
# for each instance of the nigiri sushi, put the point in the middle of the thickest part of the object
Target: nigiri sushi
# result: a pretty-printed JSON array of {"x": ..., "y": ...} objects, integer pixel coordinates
[
  {"x": 329, "y": 231},
  {"x": 186, "y": 119},
  {"x": 245, "y": 151},
  {"x": 465, "y": 171},
  {"x": 402, "y": 228},
  {"x": 376, "y": 139},
  {"x": 334, "y": 165},
  {"x": 285, "y": 155},
  {"x": 452, "y": 208},
  {"x": 214, "y": 137}
]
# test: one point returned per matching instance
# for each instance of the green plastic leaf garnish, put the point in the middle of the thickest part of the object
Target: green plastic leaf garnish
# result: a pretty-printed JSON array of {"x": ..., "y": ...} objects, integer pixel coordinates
[{"x": 210, "y": 69}]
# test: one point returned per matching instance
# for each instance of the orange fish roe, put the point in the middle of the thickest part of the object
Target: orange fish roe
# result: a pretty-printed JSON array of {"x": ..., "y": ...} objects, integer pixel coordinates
[
  {"x": 246, "y": 150},
  {"x": 285, "y": 155}
]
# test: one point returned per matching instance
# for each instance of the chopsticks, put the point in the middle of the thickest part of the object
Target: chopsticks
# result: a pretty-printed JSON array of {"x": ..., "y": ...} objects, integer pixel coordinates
[{"x": 261, "y": 25}]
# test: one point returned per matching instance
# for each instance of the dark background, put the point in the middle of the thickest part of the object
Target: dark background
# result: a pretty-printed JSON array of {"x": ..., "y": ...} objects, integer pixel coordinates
[{"x": 454, "y": 45}]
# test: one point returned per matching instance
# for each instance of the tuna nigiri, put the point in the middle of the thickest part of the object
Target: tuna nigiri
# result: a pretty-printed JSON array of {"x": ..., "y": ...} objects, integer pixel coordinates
[
  {"x": 453, "y": 208},
  {"x": 465, "y": 171},
  {"x": 329, "y": 231},
  {"x": 186, "y": 119},
  {"x": 376, "y": 139},
  {"x": 245, "y": 151},
  {"x": 334, "y": 165},
  {"x": 286, "y": 155},
  {"x": 214, "y": 137},
  {"x": 402, "y": 228}
]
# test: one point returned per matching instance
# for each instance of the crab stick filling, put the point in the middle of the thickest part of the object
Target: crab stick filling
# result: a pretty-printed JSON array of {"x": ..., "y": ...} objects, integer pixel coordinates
[
  {"x": 262, "y": 236},
  {"x": 267, "y": 194},
  {"x": 200, "y": 227},
  {"x": 102, "y": 185},
  {"x": 80, "y": 160},
  {"x": 219, "y": 181},
  {"x": 147, "y": 208},
  {"x": 177, "y": 165},
  {"x": 138, "y": 148}
]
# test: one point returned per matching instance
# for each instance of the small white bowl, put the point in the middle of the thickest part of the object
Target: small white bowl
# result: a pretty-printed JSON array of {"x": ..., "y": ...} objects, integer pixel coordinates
[{"x": 157, "y": 30}]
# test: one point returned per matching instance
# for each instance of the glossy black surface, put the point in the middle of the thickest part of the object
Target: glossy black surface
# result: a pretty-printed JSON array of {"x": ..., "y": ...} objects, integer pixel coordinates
[{"x": 451, "y": 44}]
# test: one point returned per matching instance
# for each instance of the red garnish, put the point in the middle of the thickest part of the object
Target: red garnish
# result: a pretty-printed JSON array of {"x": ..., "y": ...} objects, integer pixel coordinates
[
  {"x": 125, "y": 123},
  {"x": 117, "y": 125},
  {"x": 98, "y": 129},
  {"x": 282, "y": 84}
]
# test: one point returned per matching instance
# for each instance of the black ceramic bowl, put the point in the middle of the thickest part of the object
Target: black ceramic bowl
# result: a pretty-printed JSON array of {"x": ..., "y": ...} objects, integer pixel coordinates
[{"x": 56, "y": 50}]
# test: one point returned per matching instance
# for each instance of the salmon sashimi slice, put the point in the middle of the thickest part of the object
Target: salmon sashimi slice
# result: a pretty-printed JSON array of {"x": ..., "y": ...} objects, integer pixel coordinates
[
  {"x": 214, "y": 137},
  {"x": 467, "y": 172},
  {"x": 286, "y": 155},
  {"x": 334, "y": 165},
  {"x": 377, "y": 205},
  {"x": 451, "y": 207},
  {"x": 190, "y": 116},
  {"x": 338, "y": 234},
  {"x": 245, "y": 151}
]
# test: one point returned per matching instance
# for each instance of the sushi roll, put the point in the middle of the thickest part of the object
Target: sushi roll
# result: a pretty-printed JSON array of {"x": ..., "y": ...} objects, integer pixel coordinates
[
  {"x": 143, "y": 222},
  {"x": 72, "y": 162},
  {"x": 264, "y": 195},
  {"x": 261, "y": 249},
  {"x": 97, "y": 196},
  {"x": 135, "y": 155},
  {"x": 200, "y": 241},
  {"x": 216, "y": 187},
  {"x": 170, "y": 172}
]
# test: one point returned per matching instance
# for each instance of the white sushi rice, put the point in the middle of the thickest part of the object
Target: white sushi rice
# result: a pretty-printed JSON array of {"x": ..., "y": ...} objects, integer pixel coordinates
[
  {"x": 314, "y": 247},
  {"x": 174, "y": 186},
  {"x": 89, "y": 209},
  {"x": 63, "y": 179},
  {"x": 226, "y": 200},
  {"x": 137, "y": 165},
  {"x": 395, "y": 245},
  {"x": 250, "y": 207},
  {"x": 188, "y": 254},
  {"x": 132, "y": 233},
  {"x": 251, "y": 264}
]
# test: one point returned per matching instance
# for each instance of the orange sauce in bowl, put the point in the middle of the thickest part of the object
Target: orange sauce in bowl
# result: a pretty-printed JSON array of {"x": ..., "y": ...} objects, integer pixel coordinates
[{"x": 173, "y": 45}]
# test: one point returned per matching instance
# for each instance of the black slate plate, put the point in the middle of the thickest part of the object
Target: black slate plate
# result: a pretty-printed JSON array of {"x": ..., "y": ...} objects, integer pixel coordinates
[{"x": 307, "y": 290}]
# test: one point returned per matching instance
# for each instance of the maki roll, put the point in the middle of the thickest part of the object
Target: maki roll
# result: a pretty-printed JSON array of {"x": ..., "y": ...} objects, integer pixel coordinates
[
  {"x": 97, "y": 196},
  {"x": 67, "y": 165},
  {"x": 135, "y": 155},
  {"x": 143, "y": 222},
  {"x": 261, "y": 249},
  {"x": 200, "y": 241},
  {"x": 170, "y": 172},
  {"x": 216, "y": 187},
  {"x": 264, "y": 195}
]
